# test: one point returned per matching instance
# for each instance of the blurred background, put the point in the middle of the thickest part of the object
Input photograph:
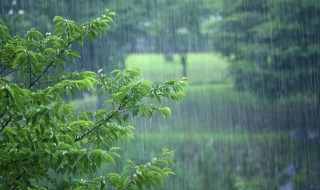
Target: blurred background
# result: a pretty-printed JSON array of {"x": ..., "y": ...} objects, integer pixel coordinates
[{"x": 250, "y": 117}]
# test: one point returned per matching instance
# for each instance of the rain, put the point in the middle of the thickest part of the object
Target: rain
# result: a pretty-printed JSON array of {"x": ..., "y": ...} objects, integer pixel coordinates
[{"x": 250, "y": 115}]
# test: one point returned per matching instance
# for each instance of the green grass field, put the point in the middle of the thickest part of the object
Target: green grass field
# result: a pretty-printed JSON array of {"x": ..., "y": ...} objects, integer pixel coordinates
[{"x": 202, "y": 68}]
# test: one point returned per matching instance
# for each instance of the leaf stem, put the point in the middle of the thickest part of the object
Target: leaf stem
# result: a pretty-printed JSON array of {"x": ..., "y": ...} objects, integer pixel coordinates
[{"x": 121, "y": 106}]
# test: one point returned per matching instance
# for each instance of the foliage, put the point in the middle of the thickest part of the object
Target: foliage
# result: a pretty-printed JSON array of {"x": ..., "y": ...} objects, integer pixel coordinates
[
  {"x": 274, "y": 44},
  {"x": 41, "y": 134},
  {"x": 39, "y": 13}
]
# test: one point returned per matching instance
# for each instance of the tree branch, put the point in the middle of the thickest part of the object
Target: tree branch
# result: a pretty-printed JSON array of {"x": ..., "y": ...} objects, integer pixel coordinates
[
  {"x": 39, "y": 77},
  {"x": 17, "y": 178},
  {"x": 121, "y": 106},
  {"x": 6, "y": 123},
  {"x": 59, "y": 54},
  {"x": 4, "y": 68},
  {"x": 51, "y": 64}
]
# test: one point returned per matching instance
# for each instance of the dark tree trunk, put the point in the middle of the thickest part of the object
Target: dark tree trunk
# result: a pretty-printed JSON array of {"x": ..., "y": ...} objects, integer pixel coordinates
[{"x": 184, "y": 64}]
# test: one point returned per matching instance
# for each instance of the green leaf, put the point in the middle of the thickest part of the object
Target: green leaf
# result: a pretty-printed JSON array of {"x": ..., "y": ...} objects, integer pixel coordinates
[
  {"x": 58, "y": 18},
  {"x": 114, "y": 148},
  {"x": 165, "y": 112},
  {"x": 113, "y": 179},
  {"x": 108, "y": 158}
]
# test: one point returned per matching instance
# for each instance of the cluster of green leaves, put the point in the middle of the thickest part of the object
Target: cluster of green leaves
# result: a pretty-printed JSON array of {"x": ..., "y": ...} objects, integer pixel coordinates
[
  {"x": 40, "y": 134},
  {"x": 148, "y": 175}
]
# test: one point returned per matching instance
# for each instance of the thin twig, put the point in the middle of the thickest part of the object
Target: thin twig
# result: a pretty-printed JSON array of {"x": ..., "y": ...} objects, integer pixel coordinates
[
  {"x": 4, "y": 68},
  {"x": 39, "y": 77},
  {"x": 6, "y": 124},
  {"x": 122, "y": 104},
  {"x": 51, "y": 64}
]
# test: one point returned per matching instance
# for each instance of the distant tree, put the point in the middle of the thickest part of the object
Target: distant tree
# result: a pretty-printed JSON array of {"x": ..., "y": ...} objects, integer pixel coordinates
[
  {"x": 176, "y": 28},
  {"x": 44, "y": 139},
  {"x": 177, "y": 24},
  {"x": 274, "y": 46}
]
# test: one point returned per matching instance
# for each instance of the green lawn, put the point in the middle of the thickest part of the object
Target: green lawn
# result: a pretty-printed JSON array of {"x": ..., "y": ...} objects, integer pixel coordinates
[{"x": 202, "y": 68}]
